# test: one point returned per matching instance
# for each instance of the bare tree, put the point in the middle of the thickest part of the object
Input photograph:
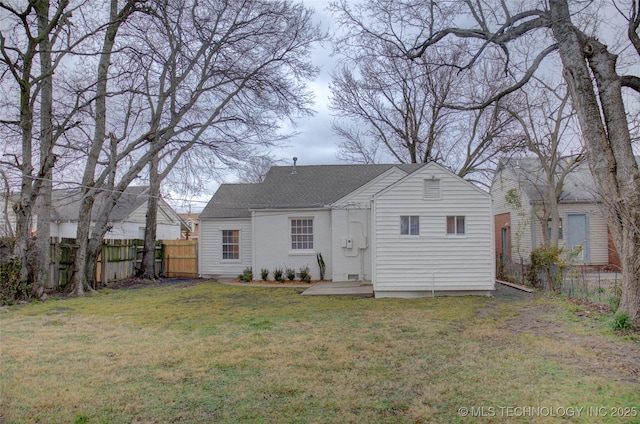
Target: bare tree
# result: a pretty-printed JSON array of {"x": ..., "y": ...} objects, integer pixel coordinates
[
  {"x": 33, "y": 43},
  {"x": 255, "y": 169},
  {"x": 495, "y": 30},
  {"x": 395, "y": 108},
  {"x": 213, "y": 75},
  {"x": 546, "y": 116}
]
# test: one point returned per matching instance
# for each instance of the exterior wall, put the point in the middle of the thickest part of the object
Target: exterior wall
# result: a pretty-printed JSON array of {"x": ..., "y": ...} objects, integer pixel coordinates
[
  {"x": 520, "y": 220},
  {"x": 433, "y": 261},
  {"x": 525, "y": 238},
  {"x": 210, "y": 262},
  {"x": 272, "y": 241},
  {"x": 597, "y": 252},
  {"x": 352, "y": 259},
  {"x": 351, "y": 220},
  {"x": 502, "y": 223}
]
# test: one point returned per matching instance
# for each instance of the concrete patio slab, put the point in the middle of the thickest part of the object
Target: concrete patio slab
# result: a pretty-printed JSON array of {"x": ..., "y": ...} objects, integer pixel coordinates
[{"x": 341, "y": 288}]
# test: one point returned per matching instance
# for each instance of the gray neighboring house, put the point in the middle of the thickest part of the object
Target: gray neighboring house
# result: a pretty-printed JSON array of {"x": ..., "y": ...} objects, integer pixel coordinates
[
  {"x": 582, "y": 222},
  {"x": 126, "y": 221},
  {"x": 412, "y": 229}
]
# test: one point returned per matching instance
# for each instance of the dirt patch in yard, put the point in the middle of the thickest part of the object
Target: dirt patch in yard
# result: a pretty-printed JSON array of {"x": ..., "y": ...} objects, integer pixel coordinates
[{"x": 595, "y": 353}]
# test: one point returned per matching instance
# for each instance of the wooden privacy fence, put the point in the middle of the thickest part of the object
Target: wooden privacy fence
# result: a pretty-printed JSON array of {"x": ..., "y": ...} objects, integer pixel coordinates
[
  {"x": 120, "y": 259},
  {"x": 180, "y": 258}
]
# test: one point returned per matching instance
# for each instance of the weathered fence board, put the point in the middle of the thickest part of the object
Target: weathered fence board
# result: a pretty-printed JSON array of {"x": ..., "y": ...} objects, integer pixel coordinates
[{"x": 120, "y": 259}]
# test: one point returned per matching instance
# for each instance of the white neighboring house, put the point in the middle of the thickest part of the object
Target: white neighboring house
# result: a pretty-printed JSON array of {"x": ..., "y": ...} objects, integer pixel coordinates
[
  {"x": 126, "y": 221},
  {"x": 412, "y": 229},
  {"x": 582, "y": 223}
]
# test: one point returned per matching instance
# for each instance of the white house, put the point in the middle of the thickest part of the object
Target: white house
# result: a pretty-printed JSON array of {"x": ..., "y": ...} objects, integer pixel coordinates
[
  {"x": 412, "y": 229},
  {"x": 126, "y": 221},
  {"x": 518, "y": 229}
]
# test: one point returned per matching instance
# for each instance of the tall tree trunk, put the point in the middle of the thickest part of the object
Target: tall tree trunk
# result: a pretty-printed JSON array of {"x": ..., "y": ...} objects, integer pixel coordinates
[
  {"x": 43, "y": 230},
  {"x": 149, "y": 250},
  {"x": 609, "y": 150},
  {"x": 84, "y": 263}
]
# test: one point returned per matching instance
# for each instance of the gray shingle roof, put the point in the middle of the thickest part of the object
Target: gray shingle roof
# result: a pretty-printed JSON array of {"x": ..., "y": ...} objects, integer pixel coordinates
[
  {"x": 579, "y": 185},
  {"x": 66, "y": 203},
  {"x": 310, "y": 187}
]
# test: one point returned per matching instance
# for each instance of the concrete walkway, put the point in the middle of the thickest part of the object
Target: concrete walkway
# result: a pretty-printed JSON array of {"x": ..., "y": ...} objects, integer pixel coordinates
[{"x": 341, "y": 288}]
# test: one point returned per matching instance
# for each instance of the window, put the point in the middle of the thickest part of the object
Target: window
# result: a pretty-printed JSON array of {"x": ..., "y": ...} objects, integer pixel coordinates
[
  {"x": 230, "y": 244},
  {"x": 549, "y": 221},
  {"x": 432, "y": 189},
  {"x": 455, "y": 225},
  {"x": 302, "y": 234},
  {"x": 410, "y": 225}
]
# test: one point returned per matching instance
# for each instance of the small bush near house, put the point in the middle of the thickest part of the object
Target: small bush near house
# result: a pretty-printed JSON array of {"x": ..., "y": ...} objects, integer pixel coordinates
[
  {"x": 305, "y": 274},
  {"x": 11, "y": 288},
  {"x": 264, "y": 273},
  {"x": 321, "y": 265},
  {"x": 291, "y": 273},
  {"x": 277, "y": 274},
  {"x": 546, "y": 268},
  {"x": 247, "y": 275}
]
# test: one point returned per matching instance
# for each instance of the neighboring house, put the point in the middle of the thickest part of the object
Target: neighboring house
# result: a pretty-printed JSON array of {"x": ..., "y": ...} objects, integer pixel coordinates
[
  {"x": 412, "y": 229},
  {"x": 583, "y": 227},
  {"x": 126, "y": 221},
  {"x": 191, "y": 230}
]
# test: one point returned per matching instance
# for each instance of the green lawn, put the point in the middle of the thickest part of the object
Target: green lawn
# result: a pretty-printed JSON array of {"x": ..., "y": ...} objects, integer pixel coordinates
[{"x": 208, "y": 352}]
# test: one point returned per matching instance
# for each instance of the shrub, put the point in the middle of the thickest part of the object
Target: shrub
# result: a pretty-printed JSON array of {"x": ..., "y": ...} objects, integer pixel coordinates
[
  {"x": 11, "y": 287},
  {"x": 277, "y": 274},
  {"x": 247, "y": 275},
  {"x": 305, "y": 274},
  {"x": 321, "y": 265},
  {"x": 264, "y": 273},
  {"x": 546, "y": 268},
  {"x": 614, "y": 298},
  {"x": 291, "y": 273},
  {"x": 622, "y": 321}
]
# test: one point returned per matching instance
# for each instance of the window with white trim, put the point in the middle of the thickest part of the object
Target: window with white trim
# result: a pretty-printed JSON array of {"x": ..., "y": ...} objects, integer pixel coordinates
[
  {"x": 230, "y": 244},
  {"x": 456, "y": 225},
  {"x": 302, "y": 234},
  {"x": 410, "y": 225}
]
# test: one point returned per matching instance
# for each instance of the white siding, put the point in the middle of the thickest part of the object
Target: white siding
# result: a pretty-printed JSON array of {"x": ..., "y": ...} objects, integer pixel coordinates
[
  {"x": 432, "y": 260},
  {"x": 210, "y": 261},
  {"x": 353, "y": 224},
  {"x": 272, "y": 238},
  {"x": 362, "y": 196},
  {"x": 521, "y": 233},
  {"x": 523, "y": 239},
  {"x": 598, "y": 253},
  {"x": 351, "y": 220}
]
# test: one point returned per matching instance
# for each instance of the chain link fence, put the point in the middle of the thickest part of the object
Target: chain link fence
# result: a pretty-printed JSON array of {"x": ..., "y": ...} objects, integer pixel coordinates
[{"x": 593, "y": 283}]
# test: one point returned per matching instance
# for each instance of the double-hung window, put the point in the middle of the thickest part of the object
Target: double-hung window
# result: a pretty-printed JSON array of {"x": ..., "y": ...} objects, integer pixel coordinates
[
  {"x": 230, "y": 244},
  {"x": 410, "y": 225},
  {"x": 302, "y": 234},
  {"x": 455, "y": 225}
]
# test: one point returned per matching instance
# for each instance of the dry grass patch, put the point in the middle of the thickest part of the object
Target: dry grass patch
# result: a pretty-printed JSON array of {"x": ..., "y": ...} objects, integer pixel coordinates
[{"x": 214, "y": 353}]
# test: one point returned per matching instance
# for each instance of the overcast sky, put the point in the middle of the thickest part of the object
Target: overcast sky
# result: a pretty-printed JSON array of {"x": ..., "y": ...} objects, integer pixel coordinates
[{"x": 316, "y": 144}]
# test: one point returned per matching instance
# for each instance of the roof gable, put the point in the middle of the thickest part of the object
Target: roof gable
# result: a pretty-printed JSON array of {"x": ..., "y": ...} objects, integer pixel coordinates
[
  {"x": 528, "y": 173},
  {"x": 433, "y": 166},
  {"x": 66, "y": 203},
  {"x": 314, "y": 186}
]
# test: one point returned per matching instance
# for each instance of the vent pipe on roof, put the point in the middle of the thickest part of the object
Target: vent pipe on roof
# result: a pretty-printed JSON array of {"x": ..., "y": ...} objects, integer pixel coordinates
[{"x": 293, "y": 171}]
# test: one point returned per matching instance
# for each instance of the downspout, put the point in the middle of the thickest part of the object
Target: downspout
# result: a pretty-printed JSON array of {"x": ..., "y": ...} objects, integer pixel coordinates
[{"x": 253, "y": 243}]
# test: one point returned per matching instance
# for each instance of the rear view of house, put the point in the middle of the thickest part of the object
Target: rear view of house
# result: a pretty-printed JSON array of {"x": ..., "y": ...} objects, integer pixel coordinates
[{"x": 412, "y": 229}]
